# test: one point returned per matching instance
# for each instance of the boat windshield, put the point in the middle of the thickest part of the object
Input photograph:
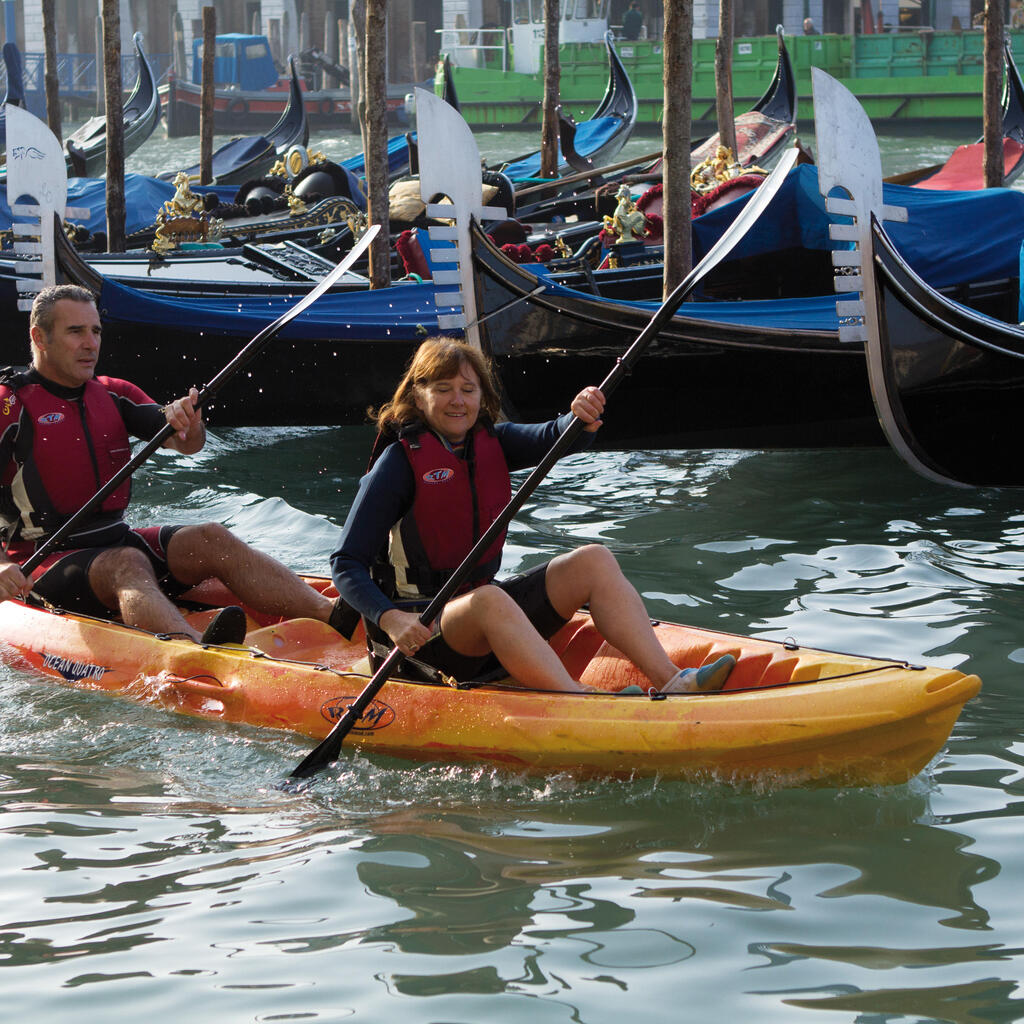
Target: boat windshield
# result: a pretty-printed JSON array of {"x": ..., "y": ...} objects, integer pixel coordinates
[
  {"x": 584, "y": 10},
  {"x": 532, "y": 11}
]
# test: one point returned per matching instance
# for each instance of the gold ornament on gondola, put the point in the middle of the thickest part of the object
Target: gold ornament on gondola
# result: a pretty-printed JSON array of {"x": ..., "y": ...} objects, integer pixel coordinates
[{"x": 715, "y": 170}]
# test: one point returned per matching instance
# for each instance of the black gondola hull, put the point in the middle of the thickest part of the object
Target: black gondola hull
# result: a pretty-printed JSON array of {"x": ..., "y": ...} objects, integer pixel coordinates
[{"x": 950, "y": 386}]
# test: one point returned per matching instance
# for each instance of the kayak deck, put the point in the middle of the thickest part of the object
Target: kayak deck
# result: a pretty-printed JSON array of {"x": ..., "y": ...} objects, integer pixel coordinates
[{"x": 787, "y": 715}]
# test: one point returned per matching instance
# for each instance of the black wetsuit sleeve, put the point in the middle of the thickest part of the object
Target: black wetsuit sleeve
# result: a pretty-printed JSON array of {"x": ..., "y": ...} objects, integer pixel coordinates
[
  {"x": 142, "y": 417},
  {"x": 385, "y": 494},
  {"x": 525, "y": 444}
]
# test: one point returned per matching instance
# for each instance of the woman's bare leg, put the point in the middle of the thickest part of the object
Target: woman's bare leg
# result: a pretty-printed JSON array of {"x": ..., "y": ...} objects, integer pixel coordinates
[
  {"x": 591, "y": 575},
  {"x": 487, "y": 620}
]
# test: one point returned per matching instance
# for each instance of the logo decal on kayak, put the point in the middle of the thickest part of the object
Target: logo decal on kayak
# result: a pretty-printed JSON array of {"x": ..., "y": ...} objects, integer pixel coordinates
[
  {"x": 377, "y": 714},
  {"x": 73, "y": 671},
  {"x": 51, "y": 417},
  {"x": 438, "y": 476}
]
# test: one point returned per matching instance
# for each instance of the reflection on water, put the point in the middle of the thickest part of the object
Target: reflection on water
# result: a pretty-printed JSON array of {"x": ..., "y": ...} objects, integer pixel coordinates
[{"x": 148, "y": 858}]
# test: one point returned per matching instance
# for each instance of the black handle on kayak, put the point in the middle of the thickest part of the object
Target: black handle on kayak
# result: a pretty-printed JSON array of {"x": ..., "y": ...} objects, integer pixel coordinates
[
  {"x": 330, "y": 746},
  {"x": 206, "y": 393}
]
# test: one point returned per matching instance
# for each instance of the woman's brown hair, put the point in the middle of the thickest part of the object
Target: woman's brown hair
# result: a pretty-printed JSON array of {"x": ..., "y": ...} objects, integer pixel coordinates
[{"x": 437, "y": 359}]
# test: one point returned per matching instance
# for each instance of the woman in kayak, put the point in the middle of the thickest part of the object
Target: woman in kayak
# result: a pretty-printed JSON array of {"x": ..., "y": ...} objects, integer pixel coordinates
[{"x": 439, "y": 477}]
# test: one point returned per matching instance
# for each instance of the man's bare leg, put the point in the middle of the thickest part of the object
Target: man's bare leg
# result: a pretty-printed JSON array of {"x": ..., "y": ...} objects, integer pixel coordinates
[
  {"x": 123, "y": 580},
  {"x": 197, "y": 553}
]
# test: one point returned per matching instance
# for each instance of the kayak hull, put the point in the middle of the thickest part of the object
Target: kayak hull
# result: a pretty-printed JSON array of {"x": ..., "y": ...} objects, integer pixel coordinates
[{"x": 789, "y": 716}]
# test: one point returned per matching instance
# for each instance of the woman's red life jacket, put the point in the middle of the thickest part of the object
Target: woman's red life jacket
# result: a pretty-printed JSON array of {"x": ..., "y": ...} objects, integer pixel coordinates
[{"x": 455, "y": 501}]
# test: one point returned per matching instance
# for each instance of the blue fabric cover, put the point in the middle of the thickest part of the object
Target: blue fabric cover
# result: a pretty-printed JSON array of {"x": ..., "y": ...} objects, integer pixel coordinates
[
  {"x": 398, "y": 157},
  {"x": 401, "y": 312},
  {"x": 143, "y": 197},
  {"x": 817, "y": 313},
  {"x": 949, "y": 237},
  {"x": 590, "y": 137}
]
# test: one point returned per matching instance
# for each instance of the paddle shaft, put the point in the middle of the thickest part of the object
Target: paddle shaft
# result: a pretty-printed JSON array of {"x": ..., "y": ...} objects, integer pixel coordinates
[
  {"x": 206, "y": 393},
  {"x": 330, "y": 746}
]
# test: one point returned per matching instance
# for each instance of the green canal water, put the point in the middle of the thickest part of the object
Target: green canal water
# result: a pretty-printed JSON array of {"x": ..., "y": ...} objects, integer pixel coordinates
[{"x": 149, "y": 867}]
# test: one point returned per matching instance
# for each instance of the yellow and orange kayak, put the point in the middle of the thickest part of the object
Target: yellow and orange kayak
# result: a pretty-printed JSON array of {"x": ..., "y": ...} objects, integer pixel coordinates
[{"x": 788, "y": 715}]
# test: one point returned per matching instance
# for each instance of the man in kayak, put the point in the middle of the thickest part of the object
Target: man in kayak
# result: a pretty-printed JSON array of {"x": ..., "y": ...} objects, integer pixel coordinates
[
  {"x": 440, "y": 479},
  {"x": 64, "y": 432}
]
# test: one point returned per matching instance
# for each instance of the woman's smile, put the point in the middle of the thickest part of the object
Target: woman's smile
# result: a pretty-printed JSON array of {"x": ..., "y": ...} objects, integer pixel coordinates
[{"x": 450, "y": 406}]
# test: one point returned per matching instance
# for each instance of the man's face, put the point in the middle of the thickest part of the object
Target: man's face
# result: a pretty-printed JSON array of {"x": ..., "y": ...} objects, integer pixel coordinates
[{"x": 67, "y": 353}]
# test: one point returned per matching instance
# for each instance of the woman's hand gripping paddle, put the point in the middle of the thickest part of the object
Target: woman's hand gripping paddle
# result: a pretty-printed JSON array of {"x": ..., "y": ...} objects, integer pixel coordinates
[
  {"x": 207, "y": 392},
  {"x": 330, "y": 746}
]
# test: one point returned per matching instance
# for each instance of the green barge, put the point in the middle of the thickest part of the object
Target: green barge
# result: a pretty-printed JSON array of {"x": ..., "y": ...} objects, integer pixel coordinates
[{"x": 900, "y": 78}]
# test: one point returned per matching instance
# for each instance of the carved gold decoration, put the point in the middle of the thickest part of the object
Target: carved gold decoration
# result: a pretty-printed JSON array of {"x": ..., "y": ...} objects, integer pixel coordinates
[
  {"x": 715, "y": 170},
  {"x": 296, "y": 206}
]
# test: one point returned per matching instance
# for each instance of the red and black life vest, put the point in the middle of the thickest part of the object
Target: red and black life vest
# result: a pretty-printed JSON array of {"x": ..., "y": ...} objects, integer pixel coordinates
[
  {"x": 63, "y": 450},
  {"x": 455, "y": 501}
]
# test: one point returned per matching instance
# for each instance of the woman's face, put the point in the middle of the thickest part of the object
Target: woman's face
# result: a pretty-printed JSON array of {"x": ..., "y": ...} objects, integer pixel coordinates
[{"x": 451, "y": 405}]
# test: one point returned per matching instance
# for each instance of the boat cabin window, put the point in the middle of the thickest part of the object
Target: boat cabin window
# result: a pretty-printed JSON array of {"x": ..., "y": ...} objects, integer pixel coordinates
[
  {"x": 526, "y": 11},
  {"x": 585, "y": 9},
  {"x": 256, "y": 51}
]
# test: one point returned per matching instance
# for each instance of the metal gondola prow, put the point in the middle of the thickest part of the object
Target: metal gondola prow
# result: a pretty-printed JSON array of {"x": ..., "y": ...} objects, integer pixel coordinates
[{"x": 445, "y": 135}]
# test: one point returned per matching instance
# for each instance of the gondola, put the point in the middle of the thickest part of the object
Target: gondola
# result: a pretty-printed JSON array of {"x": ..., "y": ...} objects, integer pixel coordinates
[
  {"x": 15, "y": 94},
  {"x": 965, "y": 167},
  {"x": 597, "y": 139},
  {"x": 761, "y": 134},
  {"x": 705, "y": 380},
  {"x": 326, "y": 367},
  {"x": 765, "y": 129},
  {"x": 87, "y": 147},
  {"x": 949, "y": 386},
  {"x": 947, "y": 380},
  {"x": 708, "y": 382},
  {"x": 244, "y": 159}
]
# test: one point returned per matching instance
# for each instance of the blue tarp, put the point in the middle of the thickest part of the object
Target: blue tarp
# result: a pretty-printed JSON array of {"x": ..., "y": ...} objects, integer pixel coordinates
[
  {"x": 949, "y": 237},
  {"x": 398, "y": 157},
  {"x": 817, "y": 313},
  {"x": 143, "y": 197},
  {"x": 402, "y": 312},
  {"x": 590, "y": 137}
]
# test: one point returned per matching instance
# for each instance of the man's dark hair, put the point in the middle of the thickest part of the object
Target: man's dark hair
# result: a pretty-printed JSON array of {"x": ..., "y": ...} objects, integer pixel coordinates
[{"x": 44, "y": 303}]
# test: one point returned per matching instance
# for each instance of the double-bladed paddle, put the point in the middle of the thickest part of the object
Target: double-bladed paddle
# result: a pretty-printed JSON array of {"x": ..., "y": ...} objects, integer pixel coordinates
[
  {"x": 206, "y": 392},
  {"x": 329, "y": 748}
]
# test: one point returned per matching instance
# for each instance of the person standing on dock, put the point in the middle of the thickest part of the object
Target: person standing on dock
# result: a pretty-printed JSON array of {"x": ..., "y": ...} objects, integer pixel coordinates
[
  {"x": 64, "y": 432},
  {"x": 633, "y": 21}
]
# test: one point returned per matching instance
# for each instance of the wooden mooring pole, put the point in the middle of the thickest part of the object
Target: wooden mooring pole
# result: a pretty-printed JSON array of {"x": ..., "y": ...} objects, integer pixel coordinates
[
  {"x": 50, "y": 68},
  {"x": 723, "y": 77},
  {"x": 207, "y": 96},
  {"x": 115, "y": 124},
  {"x": 549, "y": 113},
  {"x": 677, "y": 79},
  {"x": 357, "y": 67},
  {"x": 376, "y": 139},
  {"x": 101, "y": 92},
  {"x": 992, "y": 92}
]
